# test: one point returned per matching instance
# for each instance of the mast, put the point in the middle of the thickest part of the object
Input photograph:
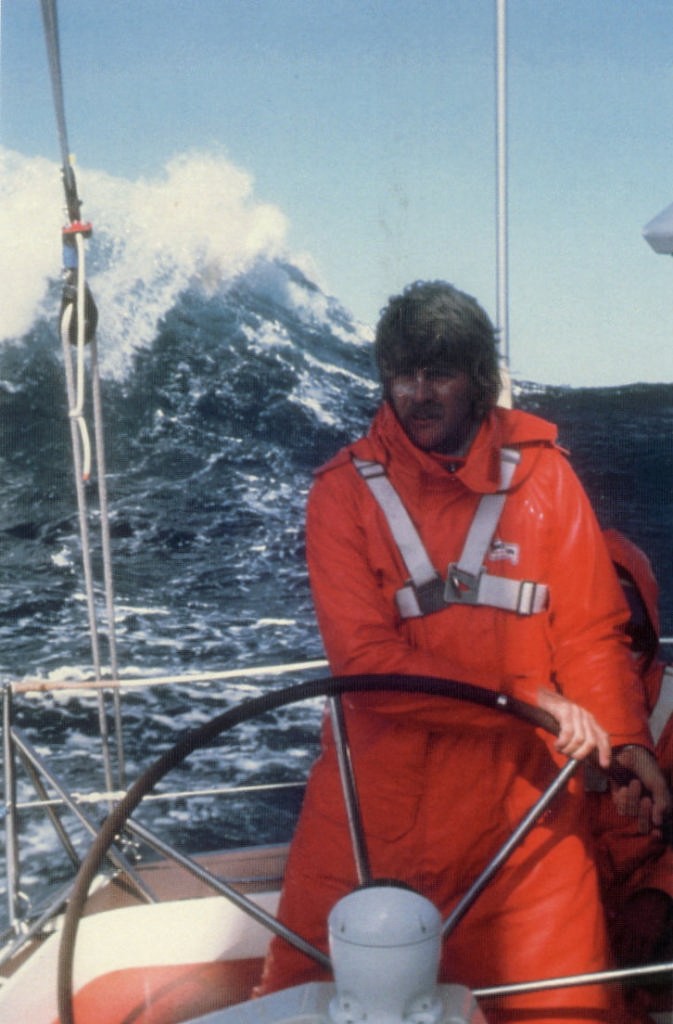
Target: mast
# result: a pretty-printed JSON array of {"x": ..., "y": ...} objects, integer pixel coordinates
[{"x": 502, "y": 286}]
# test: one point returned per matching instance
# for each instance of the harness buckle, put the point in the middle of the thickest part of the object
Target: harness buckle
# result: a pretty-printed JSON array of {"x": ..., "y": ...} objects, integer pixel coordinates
[
  {"x": 429, "y": 596},
  {"x": 461, "y": 587}
]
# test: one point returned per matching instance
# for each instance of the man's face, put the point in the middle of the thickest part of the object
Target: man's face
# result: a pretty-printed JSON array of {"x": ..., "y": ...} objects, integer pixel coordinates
[{"x": 435, "y": 408}]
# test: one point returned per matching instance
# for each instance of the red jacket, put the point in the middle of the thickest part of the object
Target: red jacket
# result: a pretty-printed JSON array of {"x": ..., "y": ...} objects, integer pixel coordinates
[{"x": 552, "y": 536}]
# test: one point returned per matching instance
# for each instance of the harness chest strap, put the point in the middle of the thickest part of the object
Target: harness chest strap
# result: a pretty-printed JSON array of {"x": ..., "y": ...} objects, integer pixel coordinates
[{"x": 467, "y": 581}]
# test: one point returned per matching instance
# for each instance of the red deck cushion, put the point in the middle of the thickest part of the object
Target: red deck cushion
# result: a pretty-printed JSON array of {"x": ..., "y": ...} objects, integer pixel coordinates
[{"x": 165, "y": 995}]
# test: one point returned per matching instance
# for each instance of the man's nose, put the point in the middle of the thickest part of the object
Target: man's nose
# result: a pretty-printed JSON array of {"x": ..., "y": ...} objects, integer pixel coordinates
[{"x": 422, "y": 386}]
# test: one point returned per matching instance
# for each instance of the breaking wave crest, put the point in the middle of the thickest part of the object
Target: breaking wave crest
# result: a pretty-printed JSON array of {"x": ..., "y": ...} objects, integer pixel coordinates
[{"x": 198, "y": 225}]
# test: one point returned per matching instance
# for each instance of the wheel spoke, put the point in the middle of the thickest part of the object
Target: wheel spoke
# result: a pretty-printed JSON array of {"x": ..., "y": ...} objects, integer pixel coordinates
[{"x": 349, "y": 789}]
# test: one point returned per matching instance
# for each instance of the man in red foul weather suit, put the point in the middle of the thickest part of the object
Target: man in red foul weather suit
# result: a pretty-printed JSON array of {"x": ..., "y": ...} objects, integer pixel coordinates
[
  {"x": 636, "y": 869},
  {"x": 441, "y": 782}
]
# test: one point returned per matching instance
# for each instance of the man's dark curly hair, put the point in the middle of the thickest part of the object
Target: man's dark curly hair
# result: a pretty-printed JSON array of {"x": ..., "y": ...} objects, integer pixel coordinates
[{"x": 434, "y": 326}]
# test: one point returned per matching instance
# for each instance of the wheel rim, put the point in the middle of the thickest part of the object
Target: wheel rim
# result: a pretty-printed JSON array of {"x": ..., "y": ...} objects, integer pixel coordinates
[{"x": 196, "y": 739}]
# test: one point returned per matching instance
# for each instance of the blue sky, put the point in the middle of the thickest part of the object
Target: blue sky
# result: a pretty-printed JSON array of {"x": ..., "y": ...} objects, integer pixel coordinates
[{"x": 371, "y": 126}]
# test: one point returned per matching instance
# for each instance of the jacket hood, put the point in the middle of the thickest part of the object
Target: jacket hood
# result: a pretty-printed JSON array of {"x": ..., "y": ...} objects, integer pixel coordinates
[
  {"x": 479, "y": 469},
  {"x": 633, "y": 561}
]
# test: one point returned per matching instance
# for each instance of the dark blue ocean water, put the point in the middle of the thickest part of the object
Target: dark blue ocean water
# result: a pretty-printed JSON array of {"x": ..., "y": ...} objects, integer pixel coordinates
[{"x": 213, "y": 428}]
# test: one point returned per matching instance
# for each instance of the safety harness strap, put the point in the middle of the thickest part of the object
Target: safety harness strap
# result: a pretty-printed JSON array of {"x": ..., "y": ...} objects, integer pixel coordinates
[
  {"x": 467, "y": 581},
  {"x": 420, "y": 568},
  {"x": 486, "y": 518}
]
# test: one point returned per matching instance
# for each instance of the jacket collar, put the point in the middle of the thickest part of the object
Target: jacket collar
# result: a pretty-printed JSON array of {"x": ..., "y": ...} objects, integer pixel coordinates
[{"x": 478, "y": 470}]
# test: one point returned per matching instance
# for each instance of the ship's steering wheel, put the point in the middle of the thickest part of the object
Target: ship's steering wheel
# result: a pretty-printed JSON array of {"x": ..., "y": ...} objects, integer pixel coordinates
[{"x": 195, "y": 739}]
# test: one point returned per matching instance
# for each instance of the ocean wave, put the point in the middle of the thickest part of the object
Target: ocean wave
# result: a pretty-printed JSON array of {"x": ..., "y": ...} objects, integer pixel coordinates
[{"x": 196, "y": 226}]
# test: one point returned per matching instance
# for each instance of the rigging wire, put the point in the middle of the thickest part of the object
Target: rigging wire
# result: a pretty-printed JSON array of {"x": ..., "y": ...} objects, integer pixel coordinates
[
  {"x": 50, "y": 20},
  {"x": 78, "y": 322}
]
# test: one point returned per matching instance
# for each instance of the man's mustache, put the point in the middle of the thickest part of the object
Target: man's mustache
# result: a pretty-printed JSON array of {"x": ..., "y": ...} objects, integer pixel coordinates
[{"x": 426, "y": 410}]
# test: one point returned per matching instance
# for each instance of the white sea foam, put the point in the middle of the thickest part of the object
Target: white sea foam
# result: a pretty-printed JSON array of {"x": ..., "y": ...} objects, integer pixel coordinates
[
  {"x": 129, "y": 609},
  {"x": 63, "y": 559},
  {"x": 266, "y": 335},
  {"x": 343, "y": 371},
  {"x": 31, "y": 204},
  {"x": 199, "y": 223},
  {"x": 310, "y": 399}
]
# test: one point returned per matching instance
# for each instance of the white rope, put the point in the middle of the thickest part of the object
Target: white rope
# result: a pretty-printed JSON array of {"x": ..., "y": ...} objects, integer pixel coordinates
[
  {"x": 76, "y": 410},
  {"x": 81, "y": 452},
  {"x": 92, "y": 686}
]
